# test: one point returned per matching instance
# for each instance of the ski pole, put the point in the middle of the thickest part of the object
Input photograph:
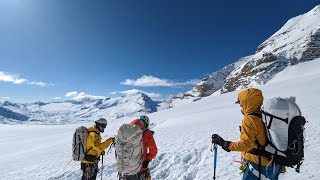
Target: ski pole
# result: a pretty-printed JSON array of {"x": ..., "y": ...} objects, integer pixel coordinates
[
  {"x": 101, "y": 167},
  {"x": 215, "y": 160},
  {"x": 109, "y": 150}
]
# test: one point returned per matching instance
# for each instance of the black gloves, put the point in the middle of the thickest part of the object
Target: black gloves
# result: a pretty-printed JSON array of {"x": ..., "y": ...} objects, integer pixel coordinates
[
  {"x": 113, "y": 139},
  {"x": 152, "y": 132},
  {"x": 221, "y": 142},
  {"x": 145, "y": 164}
]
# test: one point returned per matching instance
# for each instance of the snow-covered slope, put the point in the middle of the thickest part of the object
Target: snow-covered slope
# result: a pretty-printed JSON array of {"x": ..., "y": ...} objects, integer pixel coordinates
[
  {"x": 130, "y": 105},
  {"x": 8, "y": 114},
  {"x": 297, "y": 41},
  {"x": 183, "y": 135},
  {"x": 208, "y": 85},
  {"x": 299, "y": 38}
]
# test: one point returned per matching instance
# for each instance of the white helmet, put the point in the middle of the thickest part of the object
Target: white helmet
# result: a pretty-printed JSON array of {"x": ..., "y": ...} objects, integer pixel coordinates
[{"x": 101, "y": 124}]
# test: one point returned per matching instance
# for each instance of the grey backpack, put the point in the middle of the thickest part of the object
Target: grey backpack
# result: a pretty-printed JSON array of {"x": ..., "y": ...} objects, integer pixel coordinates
[
  {"x": 285, "y": 131},
  {"x": 129, "y": 149},
  {"x": 79, "y": 143}
]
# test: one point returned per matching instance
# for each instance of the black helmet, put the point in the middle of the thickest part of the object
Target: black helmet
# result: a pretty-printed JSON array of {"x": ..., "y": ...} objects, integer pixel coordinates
[{"x": 145, "y": 120}]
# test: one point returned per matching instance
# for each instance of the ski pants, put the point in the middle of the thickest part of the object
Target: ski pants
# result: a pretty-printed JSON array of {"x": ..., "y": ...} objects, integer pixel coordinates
[
  {"x": 144, "y": 175},
  {"x": 267, "y": 172},
  {"x": 90, "y": 171}
]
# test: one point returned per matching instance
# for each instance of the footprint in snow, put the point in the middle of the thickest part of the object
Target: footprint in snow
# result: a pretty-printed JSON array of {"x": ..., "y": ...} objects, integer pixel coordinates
[{"x": 186, "y": 158}]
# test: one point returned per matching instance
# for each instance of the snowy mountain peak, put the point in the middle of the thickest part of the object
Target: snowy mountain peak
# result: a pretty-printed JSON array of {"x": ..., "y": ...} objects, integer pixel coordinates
[
  {"x": 39, "y": 103},
  {"x": 316, "y": 10},
  {"x": 294, "y": 35},
  {"x": 8, "y": 103},
  {"x": 297, "y": 41},
  {"x": 207, "y": 86},
  {"x": 135, "y": 94}
]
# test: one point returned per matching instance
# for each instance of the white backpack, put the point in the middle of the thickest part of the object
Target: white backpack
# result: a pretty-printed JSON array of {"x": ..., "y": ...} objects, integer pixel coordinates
[
  {"x": 79, "y": 143},
  {"x": 285, "y": 131},
  {"x": 129, "y": 149}
]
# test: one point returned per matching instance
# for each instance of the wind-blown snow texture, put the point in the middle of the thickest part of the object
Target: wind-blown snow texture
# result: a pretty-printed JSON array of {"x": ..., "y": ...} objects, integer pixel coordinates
[{"x": 183, "y": 135}]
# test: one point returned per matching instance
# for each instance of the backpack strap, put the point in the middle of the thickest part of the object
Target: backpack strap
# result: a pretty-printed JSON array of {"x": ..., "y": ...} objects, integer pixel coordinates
[
  {"x": 263, "y": 153},
  {"x": 257, "y": 114},
  {"x": 286, "y": 120},
  {"x": 259, "y": 154}
]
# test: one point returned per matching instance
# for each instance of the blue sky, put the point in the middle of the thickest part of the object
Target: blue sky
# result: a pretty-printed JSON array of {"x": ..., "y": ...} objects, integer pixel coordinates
[{"x": 53, "y": 48}]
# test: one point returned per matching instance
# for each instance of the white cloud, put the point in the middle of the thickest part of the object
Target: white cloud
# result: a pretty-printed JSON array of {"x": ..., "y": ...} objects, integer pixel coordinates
[
  {"x": 131, "y": 91},
  {"x": 41, "y": 84},
  {"x": 134, "y": 91},
  {"x": 70, "y": 94},
  {"x": 147, "y": 81},
  {"x": 15, "y": 79},
  {"x": 151, "y": 81},
  {"x": 56, "y": 98},
  {"x": 79, "y": 96},
  {"x": 153, "y": 95},
  {"x": 113, "y": 93},
  {"x": 11, "y": 78}
]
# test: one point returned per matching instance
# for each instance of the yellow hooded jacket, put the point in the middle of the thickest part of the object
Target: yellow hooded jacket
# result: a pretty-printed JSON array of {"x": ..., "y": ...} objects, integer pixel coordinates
[
  {"x": 94, "y": 144},
  {"x": 252, "y": 127}
]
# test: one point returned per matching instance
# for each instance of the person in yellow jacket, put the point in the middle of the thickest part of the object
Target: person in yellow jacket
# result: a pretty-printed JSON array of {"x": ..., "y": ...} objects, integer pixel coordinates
[
  {"x": 94, "y": 148},
  {"x": 252, "y": 135}
]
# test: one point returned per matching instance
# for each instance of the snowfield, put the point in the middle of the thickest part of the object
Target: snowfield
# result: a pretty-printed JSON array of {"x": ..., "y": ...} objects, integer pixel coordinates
[{"x": 183, "y": 136}]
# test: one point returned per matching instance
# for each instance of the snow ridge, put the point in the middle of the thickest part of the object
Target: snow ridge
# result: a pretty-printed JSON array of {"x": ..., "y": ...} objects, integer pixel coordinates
[{"x": 71, "y": 111}]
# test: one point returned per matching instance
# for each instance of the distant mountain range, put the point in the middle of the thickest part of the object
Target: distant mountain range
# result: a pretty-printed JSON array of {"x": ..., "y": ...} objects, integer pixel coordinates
[
  {"x": 297, "y": 41},
  {"x": 132, "y": 105}
]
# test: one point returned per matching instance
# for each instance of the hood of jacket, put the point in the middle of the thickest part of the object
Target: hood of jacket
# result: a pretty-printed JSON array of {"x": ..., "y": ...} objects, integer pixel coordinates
[{"x": 250, "y": 100}]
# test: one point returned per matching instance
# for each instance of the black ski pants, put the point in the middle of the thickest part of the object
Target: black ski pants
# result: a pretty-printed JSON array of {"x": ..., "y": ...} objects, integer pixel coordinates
[{"x": 139, "y": 176}]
